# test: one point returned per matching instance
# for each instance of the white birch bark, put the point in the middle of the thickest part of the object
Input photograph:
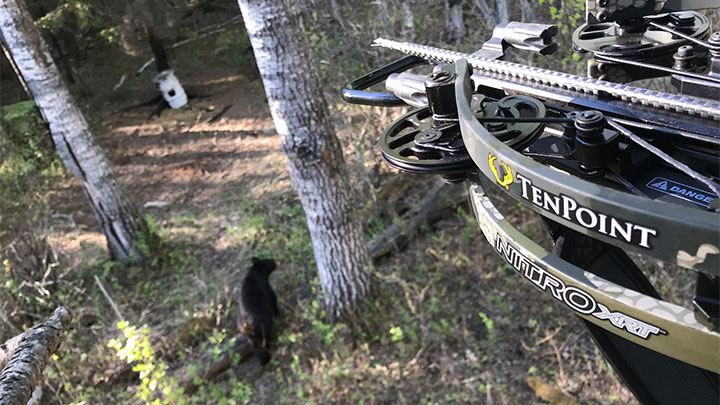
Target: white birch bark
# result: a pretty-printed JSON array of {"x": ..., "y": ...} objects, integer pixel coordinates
[
  {"x": 499, "y": 14},
  {"x": 488, "y": 13},
  {"x": 454, "y": 26},
  {"x": 314, "y": 153},
  {"x": 407, "y": 20},
  {"x": 113, "y": 210},
  {"x": 383, "y": 16},
  {"x": 528, "y": 12},
  {"x": 502, "y": 11}
]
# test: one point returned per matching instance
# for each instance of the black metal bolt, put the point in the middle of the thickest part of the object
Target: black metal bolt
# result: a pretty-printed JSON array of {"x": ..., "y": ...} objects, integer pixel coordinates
[
  {"x": 440, "y": 91},
  {"x": 631, "y": 26},
  {"x": 430, "y": 136},
  {"x": 684, "y": 57},
  {"x": 592, "y": 150},
  {"x": 682, "y": 19},
  {"x": 589, "y": 124}
]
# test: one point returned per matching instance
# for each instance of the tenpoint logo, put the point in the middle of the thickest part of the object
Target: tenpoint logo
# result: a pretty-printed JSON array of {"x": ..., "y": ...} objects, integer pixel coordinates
[{"x": 507, "y": 178}]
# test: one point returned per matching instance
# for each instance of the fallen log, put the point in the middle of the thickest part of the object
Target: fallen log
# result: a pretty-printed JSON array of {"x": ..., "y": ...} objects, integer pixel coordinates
[
  {"x": 440, "y": 198},
  {"x": 8, "y": 348},
  {"x": 24, "y": 369}
]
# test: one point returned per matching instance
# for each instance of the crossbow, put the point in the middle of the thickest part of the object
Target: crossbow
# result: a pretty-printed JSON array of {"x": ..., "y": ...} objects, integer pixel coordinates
[{"x": 611, "y": 167}]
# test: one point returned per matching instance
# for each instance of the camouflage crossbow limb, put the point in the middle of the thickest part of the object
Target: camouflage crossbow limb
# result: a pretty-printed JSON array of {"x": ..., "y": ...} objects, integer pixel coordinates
[{"x": 611, "y": 167}]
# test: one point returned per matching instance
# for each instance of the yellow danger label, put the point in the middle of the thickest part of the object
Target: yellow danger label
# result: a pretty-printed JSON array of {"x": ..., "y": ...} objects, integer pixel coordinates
[{"x": 507, "y": 178}]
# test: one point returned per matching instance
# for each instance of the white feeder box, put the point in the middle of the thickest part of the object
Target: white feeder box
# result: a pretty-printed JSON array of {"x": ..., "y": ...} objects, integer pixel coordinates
[{"x": 171, "y": 89}]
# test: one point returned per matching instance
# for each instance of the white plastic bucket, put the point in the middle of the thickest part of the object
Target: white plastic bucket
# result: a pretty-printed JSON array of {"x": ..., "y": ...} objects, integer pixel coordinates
[{"x": 170, "y": 88}]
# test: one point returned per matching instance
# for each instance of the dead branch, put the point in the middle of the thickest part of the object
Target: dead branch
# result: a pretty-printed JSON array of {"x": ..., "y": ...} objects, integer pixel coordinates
[
  {"x": 438, "y": 199},
  {"x": 212, "y": 367},
  {"x": 19, "y": 76},
  {"x": 219, "y": 115},
  {"x": 108, "y": 298},
  {"x": 6, "y": 321},
  {"x": 24, "y": 369}
]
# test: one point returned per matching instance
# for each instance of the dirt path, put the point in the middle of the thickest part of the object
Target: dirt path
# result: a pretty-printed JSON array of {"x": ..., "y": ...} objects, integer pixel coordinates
[{"x": 180, "y": 163}]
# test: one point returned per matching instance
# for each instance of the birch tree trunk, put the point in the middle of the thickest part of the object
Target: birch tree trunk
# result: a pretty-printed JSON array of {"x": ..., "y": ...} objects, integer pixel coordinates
[
  {"x": 454, "y": 26},
  {"x": 317, "y": 168},
  {"x": 502, "y": 11},
  {"x": 487, "y": 13},
  {"x": 408, "y": 20},
  {"x": 383, "y": 17},
  {"x": 528, "y": 12},
  {"x": 116, "y": 214},
  {"x": 500, "y": 14}
]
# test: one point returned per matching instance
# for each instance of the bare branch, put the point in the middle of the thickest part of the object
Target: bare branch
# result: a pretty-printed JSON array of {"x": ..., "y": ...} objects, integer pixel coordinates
[{"x": 108, "y": 298}]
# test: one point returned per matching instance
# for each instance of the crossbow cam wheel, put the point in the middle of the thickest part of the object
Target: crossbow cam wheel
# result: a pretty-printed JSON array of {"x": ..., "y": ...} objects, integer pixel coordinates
[
  {"x": 637, "y": 40},
  {"x": 419, "y": 143}
]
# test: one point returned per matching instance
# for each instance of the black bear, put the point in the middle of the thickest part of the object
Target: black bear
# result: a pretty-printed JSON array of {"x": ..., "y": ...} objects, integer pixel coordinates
[{"x": 258, "y": 305}]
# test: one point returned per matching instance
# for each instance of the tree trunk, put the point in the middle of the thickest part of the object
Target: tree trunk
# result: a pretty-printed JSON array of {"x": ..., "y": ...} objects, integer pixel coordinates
[
  {"x": 487, "y": 13},
  {"x": 24, "y": 369},
  {"x": 502, "y": 11},
  {"x": 408, "y": 20},
  {"x": 528, "y": 12},
  {"x": 454, "y": 26},
  {"x": 383, "y": 17},
  {"x": 117, "y": 216},
  {"x": 158, "y": 49},
  {"x": 317, "y": 169}
]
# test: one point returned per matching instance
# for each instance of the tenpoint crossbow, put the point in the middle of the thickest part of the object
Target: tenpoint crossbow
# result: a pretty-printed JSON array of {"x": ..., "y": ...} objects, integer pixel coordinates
[{"x": 609, "y": 166}]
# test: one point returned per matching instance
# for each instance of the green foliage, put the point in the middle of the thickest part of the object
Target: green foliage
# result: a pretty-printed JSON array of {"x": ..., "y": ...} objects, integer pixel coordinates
[
  {"x": 567, "y": 15},
  {"x": 283, "y": 236},
  {"x": 111, "y": 35},
  {"x": 234, "y": 47},
  {"x": 376, "y": 227},
  {"x": 240, "y": 393},
  {"x": 29, "y": 166},
  {"x": 25, "y": 147},
  {"x": 149, "y": 241},
  {"x": 490, "y": 325},
  {"x": 500, "y": 302},
  {"x": 323, "y": 329},
  {"x": 79, "y": 16},
  {"x": 396, "y": 334},
  {"x": 156, "y": 387}
]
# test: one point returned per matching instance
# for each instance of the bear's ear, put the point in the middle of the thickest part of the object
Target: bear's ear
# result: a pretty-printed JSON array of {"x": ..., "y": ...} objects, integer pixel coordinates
[
  {"x": 269, "y": 264},
  {"x": 255, "y": 260}
]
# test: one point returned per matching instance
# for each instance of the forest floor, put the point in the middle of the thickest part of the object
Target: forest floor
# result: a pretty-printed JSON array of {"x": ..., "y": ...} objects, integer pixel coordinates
[{"x": 451, "y": 323}]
